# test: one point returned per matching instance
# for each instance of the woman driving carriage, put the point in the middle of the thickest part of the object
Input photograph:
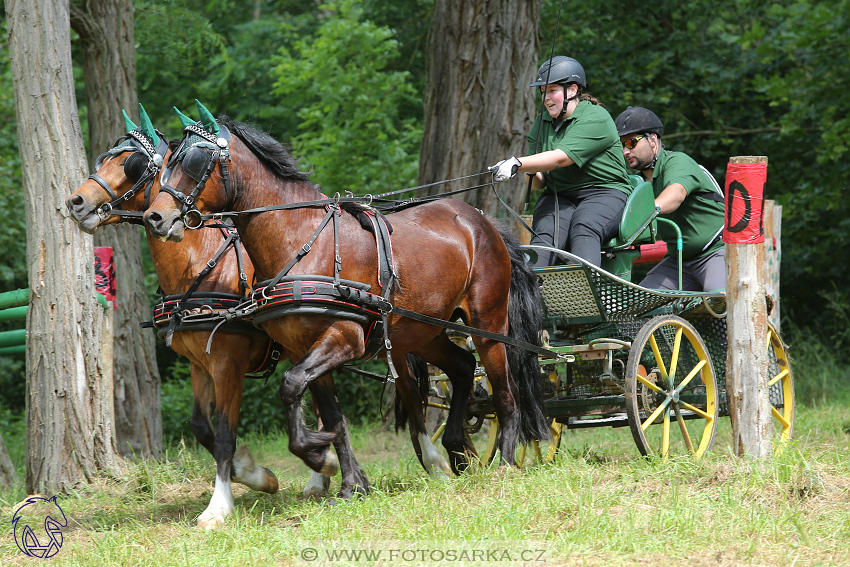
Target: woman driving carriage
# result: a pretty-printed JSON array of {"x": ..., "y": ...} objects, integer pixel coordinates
[{"x": 575, "y": 155}]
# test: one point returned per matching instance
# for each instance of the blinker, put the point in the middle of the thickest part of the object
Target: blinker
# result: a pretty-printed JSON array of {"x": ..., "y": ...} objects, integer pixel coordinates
[
  {"x": 196, "y": 162},
  {"x": 135, "y": 166}
]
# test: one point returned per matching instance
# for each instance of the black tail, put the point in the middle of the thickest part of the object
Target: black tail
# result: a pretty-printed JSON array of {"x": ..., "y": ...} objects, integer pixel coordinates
[
  {"x": 419, "y": 369},
  {"x": 525, "y": 322}
]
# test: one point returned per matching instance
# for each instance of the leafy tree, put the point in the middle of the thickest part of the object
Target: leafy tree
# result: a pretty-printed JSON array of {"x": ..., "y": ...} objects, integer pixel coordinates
[{"x": 348, "y": 104}]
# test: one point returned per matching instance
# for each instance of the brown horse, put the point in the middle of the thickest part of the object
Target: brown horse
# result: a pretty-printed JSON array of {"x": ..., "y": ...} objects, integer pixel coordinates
[
  {"x": 126, "y": 179},
  {"x": 450, "y": 262}
]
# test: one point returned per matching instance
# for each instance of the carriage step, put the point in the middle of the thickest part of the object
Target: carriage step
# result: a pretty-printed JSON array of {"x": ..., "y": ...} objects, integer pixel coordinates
[{"x": 619, "y": 420}]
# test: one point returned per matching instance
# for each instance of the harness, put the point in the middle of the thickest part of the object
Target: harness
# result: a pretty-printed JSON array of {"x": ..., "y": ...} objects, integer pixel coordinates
[{"x": 141, "y": 167}]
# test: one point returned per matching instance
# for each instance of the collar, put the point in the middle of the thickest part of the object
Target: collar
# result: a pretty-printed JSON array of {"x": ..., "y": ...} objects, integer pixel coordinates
[{"x": 662, "y": 155}]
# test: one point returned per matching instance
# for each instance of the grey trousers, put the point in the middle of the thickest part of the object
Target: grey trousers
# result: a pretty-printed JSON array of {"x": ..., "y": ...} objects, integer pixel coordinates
[
  {"x": 703, "y": 274},
  {"x": 586, "y": 219}
]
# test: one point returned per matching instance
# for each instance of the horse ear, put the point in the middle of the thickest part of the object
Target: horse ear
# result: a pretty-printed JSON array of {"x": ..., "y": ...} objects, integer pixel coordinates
[
  {"x": 128, "y": 124},
  {"x": 207, "y": 119},
  {"x": 146, "y": 125},
  {"x": 184, "y": 120}
]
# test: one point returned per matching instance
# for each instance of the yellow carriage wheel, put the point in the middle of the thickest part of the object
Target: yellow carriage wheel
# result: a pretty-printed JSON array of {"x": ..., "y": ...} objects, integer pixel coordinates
[
  {"x": 671, "y": 390},
  {"x": 780, "y": 389}
]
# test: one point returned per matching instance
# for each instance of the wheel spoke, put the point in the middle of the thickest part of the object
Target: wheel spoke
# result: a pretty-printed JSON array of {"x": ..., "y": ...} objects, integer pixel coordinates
[
  {"x": 674, "y": 358},
  {"x": 696, "y": 410},
  {"x": 781, "y": 418},
  {"x": 439, "y": 432},
  {"x": 778, "y": 377},
  {"x": 665, "y": 436},
  {"x": 651, "y": 419},
  {"x": 684, "y": 429},
  {"x": 691, "y": 375},
  {"x": 649, "y": 384},
  {"x": 659, "y": 361}
]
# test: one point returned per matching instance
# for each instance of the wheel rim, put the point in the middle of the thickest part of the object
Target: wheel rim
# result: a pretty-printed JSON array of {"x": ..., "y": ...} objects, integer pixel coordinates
[
  {"x": 780, "y": 390},
  {"x": 671, "y": 392},
  {"x": 481, "y": 431}
]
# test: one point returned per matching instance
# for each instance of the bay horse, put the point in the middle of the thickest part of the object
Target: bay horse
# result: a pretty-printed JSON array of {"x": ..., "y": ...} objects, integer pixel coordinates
[
  {"x": 124, "y": 183},
  {"x": 449, "y": 259}
]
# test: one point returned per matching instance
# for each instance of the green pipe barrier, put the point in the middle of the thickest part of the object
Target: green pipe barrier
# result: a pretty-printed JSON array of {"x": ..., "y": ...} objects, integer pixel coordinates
[
  {"x": 16, "y": 298},
  {"x": 14, "y": 314},
  {"x": 13, "y": 350},
  {"x": 13, "y": 338}
]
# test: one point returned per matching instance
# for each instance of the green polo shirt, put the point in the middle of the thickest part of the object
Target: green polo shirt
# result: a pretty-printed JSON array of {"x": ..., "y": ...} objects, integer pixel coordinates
[
  {"x": 589, "y": 137},
  {"x": 700, "y": 218}
]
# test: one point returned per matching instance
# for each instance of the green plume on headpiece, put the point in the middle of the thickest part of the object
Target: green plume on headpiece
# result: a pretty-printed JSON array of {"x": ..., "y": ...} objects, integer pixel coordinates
[
  {"x": 207, "y": 119},
  {"x": 185, "y": 120},
  {"x": 146, "y": 126},
  {"x": 128, "y": 124}
]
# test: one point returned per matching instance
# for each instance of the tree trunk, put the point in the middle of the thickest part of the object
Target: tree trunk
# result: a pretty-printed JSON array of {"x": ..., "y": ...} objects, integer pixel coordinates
[
  {"x": 105, "y": 28},
  {"x": 482, "y": 55},
  {"x": 7, "y": 469},
  {"x": 70, "y": 427}
]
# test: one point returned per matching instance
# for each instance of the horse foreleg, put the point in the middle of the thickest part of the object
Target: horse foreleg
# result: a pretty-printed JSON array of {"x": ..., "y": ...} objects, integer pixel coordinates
[
  {"x": 434, "y": 463},
  {"x": 203, "y": 390},
  {"x": 353, "y": 481},
  {"x": 318, "y": 484}
]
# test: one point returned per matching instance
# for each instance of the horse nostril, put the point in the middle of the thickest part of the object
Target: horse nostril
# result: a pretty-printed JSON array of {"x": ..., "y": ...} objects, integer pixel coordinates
[
  {"x": 76, "y": 200},
  {"x": 154, "y": 216}
]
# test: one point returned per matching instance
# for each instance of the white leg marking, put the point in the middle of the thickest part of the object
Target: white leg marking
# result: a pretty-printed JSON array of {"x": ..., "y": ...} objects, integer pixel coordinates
[
  {"x": 317, "y": 486},
  {"x": 247, "y": 472},
  {"x": 221, "y": 506},
  {"x": 436, "y": 465}
]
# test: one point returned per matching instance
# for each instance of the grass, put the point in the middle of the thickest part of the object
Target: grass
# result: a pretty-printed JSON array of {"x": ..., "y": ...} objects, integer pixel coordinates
[{"x": 598, "y": 504}]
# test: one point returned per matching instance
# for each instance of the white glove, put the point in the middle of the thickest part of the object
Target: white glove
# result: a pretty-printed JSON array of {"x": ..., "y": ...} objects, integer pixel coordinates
[{"x": 505, "y": 169}]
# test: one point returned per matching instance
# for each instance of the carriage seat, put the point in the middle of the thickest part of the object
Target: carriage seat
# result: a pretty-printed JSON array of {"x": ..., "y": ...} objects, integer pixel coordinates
[{"x": 638, "y": 226}]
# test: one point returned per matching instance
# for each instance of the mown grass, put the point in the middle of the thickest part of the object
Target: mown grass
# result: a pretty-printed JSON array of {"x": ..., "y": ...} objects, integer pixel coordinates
[{"x": 599, "y": 504}]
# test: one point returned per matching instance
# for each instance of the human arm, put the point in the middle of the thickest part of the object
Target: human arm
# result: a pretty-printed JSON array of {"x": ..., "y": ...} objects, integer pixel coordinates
[
  {"x": 543, "y": 161},
  {"x": 671, "y": 197}
]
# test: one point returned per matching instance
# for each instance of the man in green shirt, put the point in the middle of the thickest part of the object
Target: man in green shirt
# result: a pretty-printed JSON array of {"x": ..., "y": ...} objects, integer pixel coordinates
[
  {"x": 686, "y": 193},
  {"x": 574, "y": 154}
]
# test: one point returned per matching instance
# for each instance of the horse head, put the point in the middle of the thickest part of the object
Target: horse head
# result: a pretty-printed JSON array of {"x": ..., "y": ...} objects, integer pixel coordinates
[
  {"x": 123, "y": 179},
  {"x": 205, "y": 144}
]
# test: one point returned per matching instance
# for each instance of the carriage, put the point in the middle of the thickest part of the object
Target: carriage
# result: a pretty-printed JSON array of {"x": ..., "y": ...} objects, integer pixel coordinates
[
  {"x": 614, "y": 353},
  {"x": 649, "y": 359}
]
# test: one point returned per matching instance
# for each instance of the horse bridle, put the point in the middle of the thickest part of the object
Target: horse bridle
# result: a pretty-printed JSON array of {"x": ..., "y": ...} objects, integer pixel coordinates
[
  {"x": 141, "y": 168},
  {"x": 198, "y": 164}
]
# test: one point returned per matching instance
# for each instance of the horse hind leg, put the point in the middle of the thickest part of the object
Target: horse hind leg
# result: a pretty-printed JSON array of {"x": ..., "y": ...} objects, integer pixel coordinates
[
  {"x": 459, "y": 366},
  {"x": 434, "y": 463},
  {"x": 318, "y": 484}
]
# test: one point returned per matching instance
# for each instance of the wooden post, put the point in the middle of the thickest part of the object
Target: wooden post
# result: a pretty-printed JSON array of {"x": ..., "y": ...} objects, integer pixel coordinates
[
  {"x": 773, "y": 257},
  {"x": 747, "y": 358}
]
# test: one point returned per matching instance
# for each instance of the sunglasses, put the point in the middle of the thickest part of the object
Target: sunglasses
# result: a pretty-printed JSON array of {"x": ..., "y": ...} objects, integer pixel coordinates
[{"x": 632, "y": 142}]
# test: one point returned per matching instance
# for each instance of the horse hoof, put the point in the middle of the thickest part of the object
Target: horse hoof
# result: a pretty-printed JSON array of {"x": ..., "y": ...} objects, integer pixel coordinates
[
  {"x": 317, "y": 486},
  {"x": 247, "y": 472},
  {"x": 211, "y": 522},
  {"x": 331, "y": 465}
]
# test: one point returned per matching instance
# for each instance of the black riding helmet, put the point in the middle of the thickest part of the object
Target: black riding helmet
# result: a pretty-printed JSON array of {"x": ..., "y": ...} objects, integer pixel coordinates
[
  {"x": 636, "y": 119},
  {"x": 564, "y": 70},
  {"x": 561, "y": 70}
]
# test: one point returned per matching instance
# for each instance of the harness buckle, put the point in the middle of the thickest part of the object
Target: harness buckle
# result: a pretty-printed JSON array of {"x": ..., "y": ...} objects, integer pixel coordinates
[
  {"x": 275, "y": 355},
  {"x": 211, "y": 263},
  {"x": 306, "y": 248}
]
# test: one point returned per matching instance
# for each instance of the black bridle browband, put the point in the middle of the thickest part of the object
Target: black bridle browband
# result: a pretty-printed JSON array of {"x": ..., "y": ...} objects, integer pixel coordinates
[{"x": 154, "y": 155}]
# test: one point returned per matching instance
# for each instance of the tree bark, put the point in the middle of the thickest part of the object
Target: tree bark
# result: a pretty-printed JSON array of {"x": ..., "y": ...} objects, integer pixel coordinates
[
  {"x": 105, "y": 28},
  {"x": 70, "y": 427},
  {"x": 7, "y": 469},
  {"x": 482, "y": 55}
]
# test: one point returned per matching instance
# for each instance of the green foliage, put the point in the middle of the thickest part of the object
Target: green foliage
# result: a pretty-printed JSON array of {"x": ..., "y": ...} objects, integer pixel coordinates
[{"x": 350, "y": 127}]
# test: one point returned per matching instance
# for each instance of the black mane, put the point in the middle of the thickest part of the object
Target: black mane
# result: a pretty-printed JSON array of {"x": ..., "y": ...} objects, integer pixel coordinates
[{"x": 274, "y": 155}]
